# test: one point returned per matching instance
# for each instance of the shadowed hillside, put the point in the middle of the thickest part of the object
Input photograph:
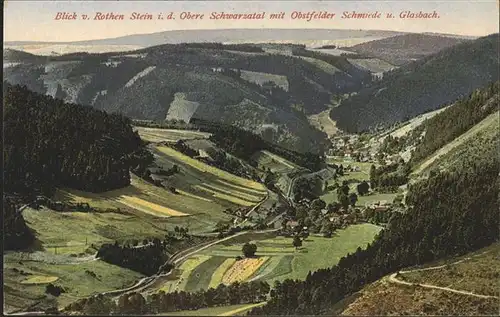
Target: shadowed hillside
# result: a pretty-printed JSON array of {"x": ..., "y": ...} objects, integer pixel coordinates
[
  {"x": 209, "y": 81},
  {"x": 421, "y": 86},
  {"x": 401, "y": 49}
]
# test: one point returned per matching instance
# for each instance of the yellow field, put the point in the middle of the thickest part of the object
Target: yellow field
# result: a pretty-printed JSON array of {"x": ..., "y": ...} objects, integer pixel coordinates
[
  {"x": 258, "y": 192},
  {"x": 210, "y": 169},
  {"x": 40, "y": 279},
  {"x": 234, "y": 200},
  {"x": 192, "y": 195},
  {"x": 219, "y": 272},
  {"x": 172, "y": 135},
  {"x": 146, "y": 206},
  {"x": 234, "y": 193},
  {"x": 242, "y": 270},
  {"x": 186, "y": 268}
]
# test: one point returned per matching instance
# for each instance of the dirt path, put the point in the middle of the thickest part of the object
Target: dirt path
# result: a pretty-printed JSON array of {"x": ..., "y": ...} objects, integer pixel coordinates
[{"x": 393, "y": 279}]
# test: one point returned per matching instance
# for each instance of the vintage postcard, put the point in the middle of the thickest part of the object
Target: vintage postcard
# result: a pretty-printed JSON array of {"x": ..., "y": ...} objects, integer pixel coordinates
[{"x": 244, "y": 158}]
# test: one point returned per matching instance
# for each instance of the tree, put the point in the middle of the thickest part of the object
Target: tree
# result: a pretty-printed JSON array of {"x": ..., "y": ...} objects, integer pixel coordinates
[
  {"x": 333, "y": 207},
  {"x": 344, "y": 189},
  {"x": 98, "y": 305},
  {"x": 305, "y": 234},
  {"x": 318, "y": 204},
  {"x": 327, "y": 229},
  {"x": 297, "y": 242},
  {"x": 373, "y": 176},
  {"x": 353, "y": 198},
  {"x": 344, "y": 200},
  {"x": 220, "y": 226},
  {"x": 363, "y": 188},
  {"x": 249, "y": 249},
  {"x": 137, "y": 303}
]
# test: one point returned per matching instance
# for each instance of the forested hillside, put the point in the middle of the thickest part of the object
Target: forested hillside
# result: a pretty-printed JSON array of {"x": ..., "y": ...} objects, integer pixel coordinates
[
  {"x": 421, "y": 86},
  {"x": 269, "y": 93},
  {"x": 451, "y": 213},
  {"x": 49, "y": 142},
  {"x": 449, "y": 124},
  {"x": 402, "y": 49}
]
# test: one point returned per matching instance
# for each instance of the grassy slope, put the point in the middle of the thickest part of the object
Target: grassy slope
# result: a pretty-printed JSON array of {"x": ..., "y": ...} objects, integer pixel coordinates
[
  {"x": 479, "y": 274},
  {"x": 231, "y": 310},
  {"x": 72, "y": 234},
  {"x": 201, "y": 211},
  {"x": 491, "y": 120},
  {"x": 267, "y": 160},
  {"x": 173, "y": 135},
  {"x": 205, "y": 181},
  {"x": 74, "y": 278},
  {"x": 318, "y": 252},
  {"x": 284, "y": 261},
  {"x": 374, "y": 65},
  {"x": 323, "y": 122}
]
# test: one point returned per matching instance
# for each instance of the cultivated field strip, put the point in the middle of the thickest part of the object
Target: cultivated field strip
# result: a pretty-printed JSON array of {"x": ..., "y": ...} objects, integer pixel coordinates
[
  {"x": 200, "y": 277},
  {"x": 220, "y": 271},
  {"x": 160, "y": 135},
  {"x": 202, "y": 167},
  {"x": 232, "y": 192},
  {"x": 186, "y": 268},
  {"x": 267, "y": 268},
  {"x": 40, "y": 279},
  {"x": 243, "y": 189},
  {"x": 143, "y": 205},
  {"x": 241, "y": 270},
  {"x": 226, "y": 197}
]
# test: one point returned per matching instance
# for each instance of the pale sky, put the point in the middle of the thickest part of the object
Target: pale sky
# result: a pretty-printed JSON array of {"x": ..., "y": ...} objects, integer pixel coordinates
[{"x": 34, "y": 20}]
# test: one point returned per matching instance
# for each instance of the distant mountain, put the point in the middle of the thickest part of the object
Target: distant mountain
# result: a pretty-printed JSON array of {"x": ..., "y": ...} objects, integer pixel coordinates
[
  {"x": 421, "y": 86},
  {"x": 401, "y": 49},
  {"x": 227, "y": 35},
  {"x": 268, "y": 89}
]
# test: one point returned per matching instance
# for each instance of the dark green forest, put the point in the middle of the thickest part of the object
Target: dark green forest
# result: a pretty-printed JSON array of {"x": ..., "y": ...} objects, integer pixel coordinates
[
  {"x": 17, "y": 235},
  {"x": 49, "y": 143},
  {"x": 421, "y": 86},
  {"x": 454, "y": 121},
  {"x": 450, "y": 214}
]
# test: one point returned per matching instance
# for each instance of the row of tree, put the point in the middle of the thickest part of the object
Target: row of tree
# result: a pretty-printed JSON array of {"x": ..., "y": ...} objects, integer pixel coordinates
[{"x": 136, "y": 304}]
